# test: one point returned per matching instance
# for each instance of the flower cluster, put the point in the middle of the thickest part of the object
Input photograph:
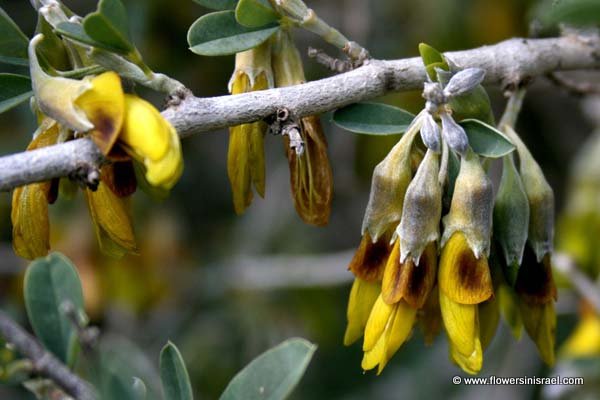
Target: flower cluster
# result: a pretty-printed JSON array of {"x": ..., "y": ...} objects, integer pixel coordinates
[
  {"x": 415, "y": 267},
  {"x": 277, "y": 63},
  {"x": 128, "y": 130}
]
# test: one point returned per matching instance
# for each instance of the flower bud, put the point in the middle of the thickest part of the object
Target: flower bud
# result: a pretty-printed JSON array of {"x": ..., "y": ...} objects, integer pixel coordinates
[
  {"x": 464, "y": 81},
  {"x": 430, "y": 133},
  {"x": 471, "y": 207},
  {"x": 362, "y": 297},
  {"x": 540, "y": 197},
  {"x": 287, "y": 63},
  {"x": 511, "y": 217},
  {"x": 388, "y": 186},
  {"x": 422, "y": 209},
  {"x": 29, "y": 214},
  {"x": 454, "y": 134},
  {"x": 245, "y": 156}
]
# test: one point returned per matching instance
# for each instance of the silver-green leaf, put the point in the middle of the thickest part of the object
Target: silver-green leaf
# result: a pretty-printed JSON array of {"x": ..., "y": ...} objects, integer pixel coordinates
[
  {"x": 14, "y": 90},
  {"x": 219, "y": 34},
  {"x": 373, "y": 119},
  {"x": 13, "y": 42},
  {"x": 173, "y": 374},
  {"x": 272, "y": 375},
  {"x": 486, "y": 140}
]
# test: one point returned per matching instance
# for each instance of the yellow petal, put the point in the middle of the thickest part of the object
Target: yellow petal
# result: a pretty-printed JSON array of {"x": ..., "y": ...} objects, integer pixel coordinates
[
  {"x": 534, "y": 282},
  {"x": 362, "y": 297},
  {"x": 144, "y": 130},
  {"x": 462, "y": 277},
  {"x": 29, "y": 213},
  {"x": 378, "y": 320},
  {"x": 509, "y": 309},
  {"x": 489, "y": 316},
  {"x": 472, "y": 363},
  {"x": 166, "y": 172},
  {"x": 462, "y": 324},
  {"x": 31, "y": 227},
  {"x": 430, "y": 318},
  {"x": 540, "y": 323},
  {"x": 104, "y": 106},
  {"x": 398, "y": 331},
  {"x": 111, "y": 220},
  {"x": 374, "y": 356},
  {"x": 585, "y": 339}
]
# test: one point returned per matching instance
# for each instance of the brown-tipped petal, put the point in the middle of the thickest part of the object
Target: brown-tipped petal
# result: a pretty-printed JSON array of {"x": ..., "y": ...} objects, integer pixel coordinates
[
  {"x": 370, "y": 258},
  {"x": 112, "y": 221},
  {"x": 461, "y": 322},
  {"x": 540, "y": 323},
  {"x": 462, "y": 277},
  {"x": 120, "y": 178},
  {"x": 407, "y": 281},
  {"x": 311, "y": 178},
  {"x": 362, "y": 297},
  {"x": 534, "y": 282},
  {"x": 430, "y": 317}
]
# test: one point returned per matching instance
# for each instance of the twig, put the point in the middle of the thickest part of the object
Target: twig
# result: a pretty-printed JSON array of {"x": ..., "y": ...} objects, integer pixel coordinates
[
  {"x": 586, "y": 288},
  {"x": 44, "y": 363},
  {"x": 507, "y": 64}
]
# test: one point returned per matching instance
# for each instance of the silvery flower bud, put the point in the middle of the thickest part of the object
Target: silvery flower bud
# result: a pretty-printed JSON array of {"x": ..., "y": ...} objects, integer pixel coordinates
[
  {"x": 430, "y": 133},
  {"x": 388, "y": 186},
  {"x": 464, "y": 81},
  {"x": 471, "y": 207},
  {"x": 454, "y": 134},
  {"x": 422, "y": 210},
  {"x": 511, "y": 214}
]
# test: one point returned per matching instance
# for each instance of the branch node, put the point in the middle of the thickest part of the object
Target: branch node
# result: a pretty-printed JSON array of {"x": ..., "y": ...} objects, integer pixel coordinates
[
  {"x": 176, "y": 97},
  {"x": 284, "y": 124},
  {"x": 86, "y": 175},
  {"x": 331, "y": 63}
]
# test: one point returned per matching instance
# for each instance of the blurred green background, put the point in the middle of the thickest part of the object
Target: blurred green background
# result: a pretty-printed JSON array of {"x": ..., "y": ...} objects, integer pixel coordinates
[{"x": 226, "y": 288}]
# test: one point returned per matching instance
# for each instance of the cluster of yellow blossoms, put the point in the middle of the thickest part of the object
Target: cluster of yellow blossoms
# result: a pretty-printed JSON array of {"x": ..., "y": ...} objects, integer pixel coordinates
[
  {"x": 124, "y": 127},
  {"x": 409, "y": 271},
  {"x": 277, "y": 63}
]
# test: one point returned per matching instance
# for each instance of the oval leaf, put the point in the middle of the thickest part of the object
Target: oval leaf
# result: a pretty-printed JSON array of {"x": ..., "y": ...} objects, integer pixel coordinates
[
  {"x": 109, "y": 25},
  {"x": 13, "y": 42},
  {"x": 255, "y": 13},
  {"x": 486, "y": 140},
  {"x": 14, "y": 90},
  {"x": 373, "y": 119},
  {"x": 273, "y": 374},
  {"x": 75, "y": 31},
  {"x": 174, "y": 375},
  {"x": 218, "y": 4},
  {"x": 49, "y": 283},
  {"x": 432, "y": 59},
  {"x": 218, "y": 34}
]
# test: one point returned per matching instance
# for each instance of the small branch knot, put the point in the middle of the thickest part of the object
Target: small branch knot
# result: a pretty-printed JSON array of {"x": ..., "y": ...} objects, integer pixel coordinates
[
  {"x": 284, "y": 124},
  {"x": 86, "y": 175}
]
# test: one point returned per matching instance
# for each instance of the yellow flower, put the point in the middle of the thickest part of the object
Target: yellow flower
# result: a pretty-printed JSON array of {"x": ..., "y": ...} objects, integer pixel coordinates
[
  {"x": 464, "y": 282},
  {"x": 362, "y": 297},
  {"x": 29, "y": 214},
  {"x": 584, "y": 341},
  {"x": 152, "y": 140},
  {"x": 388, "y": 327}
]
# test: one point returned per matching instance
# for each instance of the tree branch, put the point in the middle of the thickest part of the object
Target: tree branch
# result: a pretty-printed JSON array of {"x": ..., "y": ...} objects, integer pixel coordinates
[
  {"x": 508, "y": 63},
  {"x": 44, "y": 363}
]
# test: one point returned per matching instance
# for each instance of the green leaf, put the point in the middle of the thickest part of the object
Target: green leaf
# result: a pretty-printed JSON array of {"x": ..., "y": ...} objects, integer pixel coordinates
[
  {"x": 272, "y": 375},
  {"x": 255, "y": 13},
  {"x": 219, "y": 34},
  {"x": 373, "y": 119},
  {"x": 75, "y": 31},
  {"x": 486, "y": 140},
  {"x": 174, "y": 375},
  {"x": 473, "y": 105},
  {"x": 13, "y": 42},
  {"x": 109, "y": 26},
  {"x": 51, "y": 50},
  {"x": 218, "y": 4},
  {"x": 51, "y": 282},
  {"x": 14, "y": 90},
  {"x": 573, "y": 12},
  {"x": 431, "y": 59}
]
